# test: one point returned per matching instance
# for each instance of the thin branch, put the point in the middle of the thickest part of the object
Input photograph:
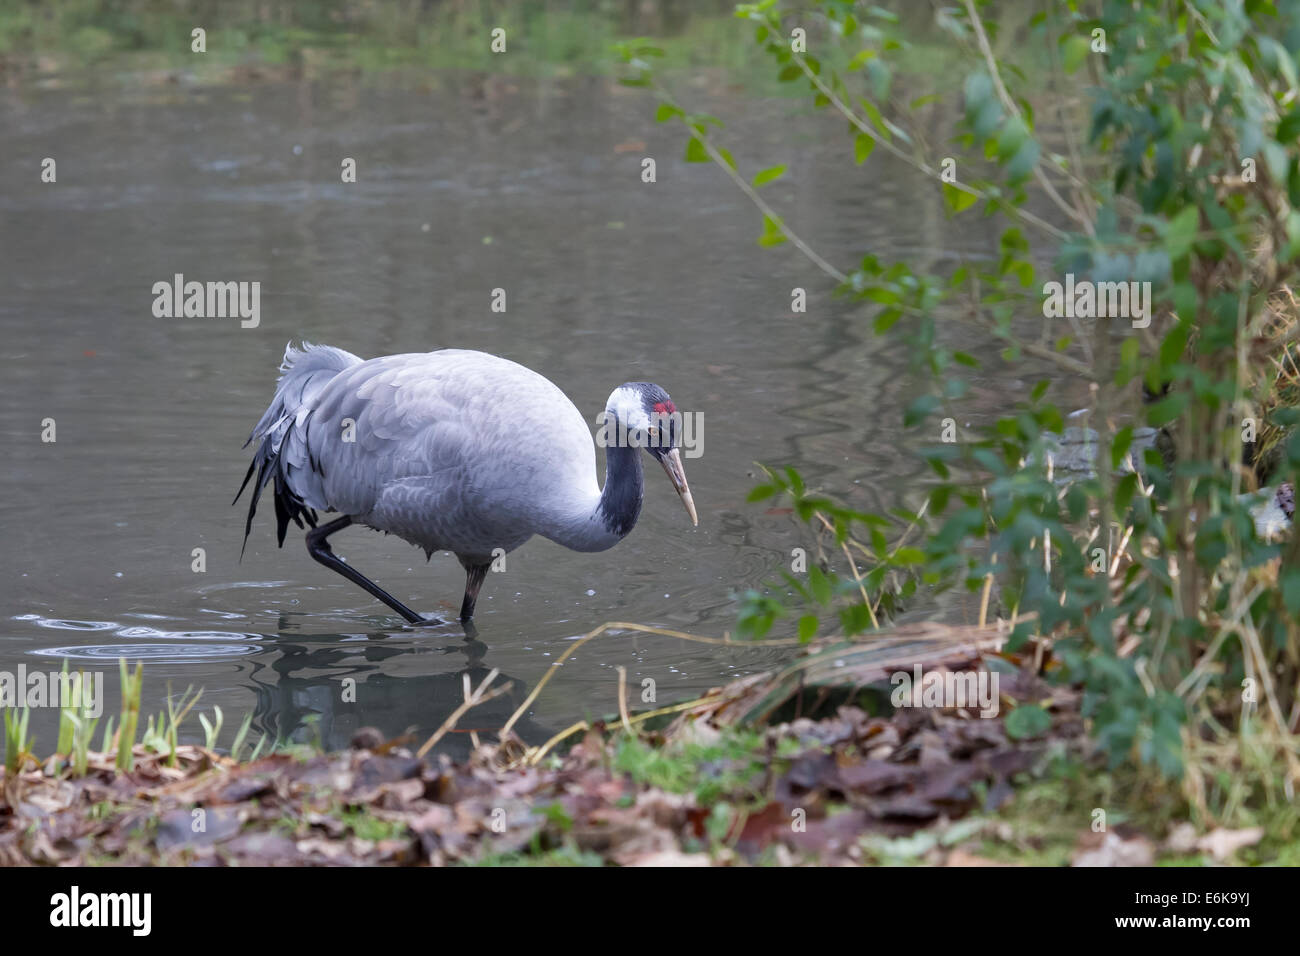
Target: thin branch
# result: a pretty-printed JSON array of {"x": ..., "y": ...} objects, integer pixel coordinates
[
  {"x": 991, "y": 62},
  {"x": 471, "y": 700},
  {"x": 622, "y": 700},
  {"x": 916, "y": 162},
  {"x": 644, "y": 629},
  {"x": 1069, "y": 364},
  {"x": 758, "y": 200}
]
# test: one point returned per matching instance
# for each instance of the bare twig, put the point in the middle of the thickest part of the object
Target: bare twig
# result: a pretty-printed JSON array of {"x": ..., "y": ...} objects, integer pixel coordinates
[
  {"x": 645, "y": 629},
  {"x": 622, "y": 699},
  {"x": 473, "y": 700},
  {"x": 1010, "y": 104},
  {"x": 916, "y": 162}
]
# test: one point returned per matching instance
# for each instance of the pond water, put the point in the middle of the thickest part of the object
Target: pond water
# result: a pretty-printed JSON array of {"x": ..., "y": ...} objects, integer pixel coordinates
[{"x": 465, "y": 185}]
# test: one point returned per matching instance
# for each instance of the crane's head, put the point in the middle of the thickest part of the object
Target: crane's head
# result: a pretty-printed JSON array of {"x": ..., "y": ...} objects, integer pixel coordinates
[{"x": 647, "y": 417}]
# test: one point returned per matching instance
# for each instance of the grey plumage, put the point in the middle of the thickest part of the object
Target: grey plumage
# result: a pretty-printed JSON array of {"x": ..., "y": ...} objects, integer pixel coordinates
[{"x": 450, "y": 450}]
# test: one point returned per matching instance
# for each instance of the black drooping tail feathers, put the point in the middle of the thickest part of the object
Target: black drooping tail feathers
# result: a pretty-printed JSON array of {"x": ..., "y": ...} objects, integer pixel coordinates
[
  {"x": 288, "y": 506},
  {"x": 303, "y": 373}
]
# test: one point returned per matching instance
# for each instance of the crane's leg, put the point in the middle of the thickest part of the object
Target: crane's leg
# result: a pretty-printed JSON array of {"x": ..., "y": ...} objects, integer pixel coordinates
[
  {"x": 474, "y": 575},
  {"x": 319, "y": 549}
]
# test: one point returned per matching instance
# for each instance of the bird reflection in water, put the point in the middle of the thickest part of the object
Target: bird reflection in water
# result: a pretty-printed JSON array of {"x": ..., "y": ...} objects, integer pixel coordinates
[{"x": 302, "y": 696}]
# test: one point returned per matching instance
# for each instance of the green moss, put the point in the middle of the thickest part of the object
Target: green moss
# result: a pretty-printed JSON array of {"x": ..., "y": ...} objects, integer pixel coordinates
[
  {"x": 367, "y": 826},
  {"x": 733, "y": 766},
  {"x": 560, "y": 856}
]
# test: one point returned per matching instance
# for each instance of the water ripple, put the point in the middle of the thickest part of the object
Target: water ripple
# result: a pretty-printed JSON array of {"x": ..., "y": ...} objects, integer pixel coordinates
[
  {"x": 165, "y": 653},
  {"x": 232, "y": 585},
  {"x": 65, "y": 625},
  {"x": 138, "y": 631},
  {"x": 150, "y": 633}
]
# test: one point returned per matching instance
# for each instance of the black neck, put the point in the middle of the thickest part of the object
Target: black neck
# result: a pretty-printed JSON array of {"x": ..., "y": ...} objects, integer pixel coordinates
[{"x": 620, "y": 500}]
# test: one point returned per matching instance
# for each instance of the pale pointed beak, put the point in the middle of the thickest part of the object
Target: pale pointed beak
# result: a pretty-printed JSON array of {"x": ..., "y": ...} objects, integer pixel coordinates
[{"x": 672, "y": 463}]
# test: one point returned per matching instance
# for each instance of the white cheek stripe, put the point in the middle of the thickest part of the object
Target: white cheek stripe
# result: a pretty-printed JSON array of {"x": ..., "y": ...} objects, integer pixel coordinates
[{"x": 629, "y": 405}]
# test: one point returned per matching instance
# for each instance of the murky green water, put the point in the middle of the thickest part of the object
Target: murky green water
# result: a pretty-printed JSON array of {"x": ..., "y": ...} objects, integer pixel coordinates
[{"x": 464, "y": 186}]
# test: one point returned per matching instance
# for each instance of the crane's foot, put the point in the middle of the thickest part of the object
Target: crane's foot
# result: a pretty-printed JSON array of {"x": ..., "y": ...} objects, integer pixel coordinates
[{"x": 429, "y": 622}]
